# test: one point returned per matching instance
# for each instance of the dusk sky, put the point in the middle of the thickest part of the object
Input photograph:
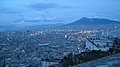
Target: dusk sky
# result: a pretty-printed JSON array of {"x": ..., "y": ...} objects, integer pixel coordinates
[{"x": 56, "y": 11}]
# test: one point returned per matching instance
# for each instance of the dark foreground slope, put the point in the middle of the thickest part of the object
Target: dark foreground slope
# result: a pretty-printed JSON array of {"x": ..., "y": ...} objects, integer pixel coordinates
[{"x": 110, "y": 61}]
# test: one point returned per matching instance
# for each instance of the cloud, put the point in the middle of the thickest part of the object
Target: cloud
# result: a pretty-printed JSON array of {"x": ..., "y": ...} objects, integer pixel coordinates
[
  {"x": 44, "y": 6},
  {"x": 53, "y": 19},
  {"x": 7, "y": 11}
]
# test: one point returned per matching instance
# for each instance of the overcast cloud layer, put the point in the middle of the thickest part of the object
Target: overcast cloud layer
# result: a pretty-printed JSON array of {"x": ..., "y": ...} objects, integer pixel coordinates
[{"x": 56, "y": 11}]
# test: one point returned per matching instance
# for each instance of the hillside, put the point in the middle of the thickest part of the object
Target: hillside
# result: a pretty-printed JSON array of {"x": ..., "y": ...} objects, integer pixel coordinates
[{"x": 93, "y": 21}]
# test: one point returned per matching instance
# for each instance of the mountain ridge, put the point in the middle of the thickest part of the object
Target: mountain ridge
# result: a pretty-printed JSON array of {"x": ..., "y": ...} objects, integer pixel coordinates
[{"x": 93, "y": 21}]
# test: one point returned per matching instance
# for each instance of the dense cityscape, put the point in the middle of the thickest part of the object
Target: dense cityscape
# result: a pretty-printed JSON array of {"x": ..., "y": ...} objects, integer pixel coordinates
[{"x": 47, "y": 47}]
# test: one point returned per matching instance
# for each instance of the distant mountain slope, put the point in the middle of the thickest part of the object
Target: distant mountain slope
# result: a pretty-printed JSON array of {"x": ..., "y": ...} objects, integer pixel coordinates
[
  {"x": 13, "y": 27},
  {"x": 92, "y": 24},
  {"x": 81, "y": 24},
  {"x": 93, "y": 21}
]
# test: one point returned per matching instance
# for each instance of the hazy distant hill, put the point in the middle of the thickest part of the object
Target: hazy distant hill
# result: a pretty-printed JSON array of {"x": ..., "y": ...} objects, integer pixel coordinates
[
  {"x": 13, "y": 27},
  {"x": 81, "y": 24},
  {"x": 93, "y": 21}
]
